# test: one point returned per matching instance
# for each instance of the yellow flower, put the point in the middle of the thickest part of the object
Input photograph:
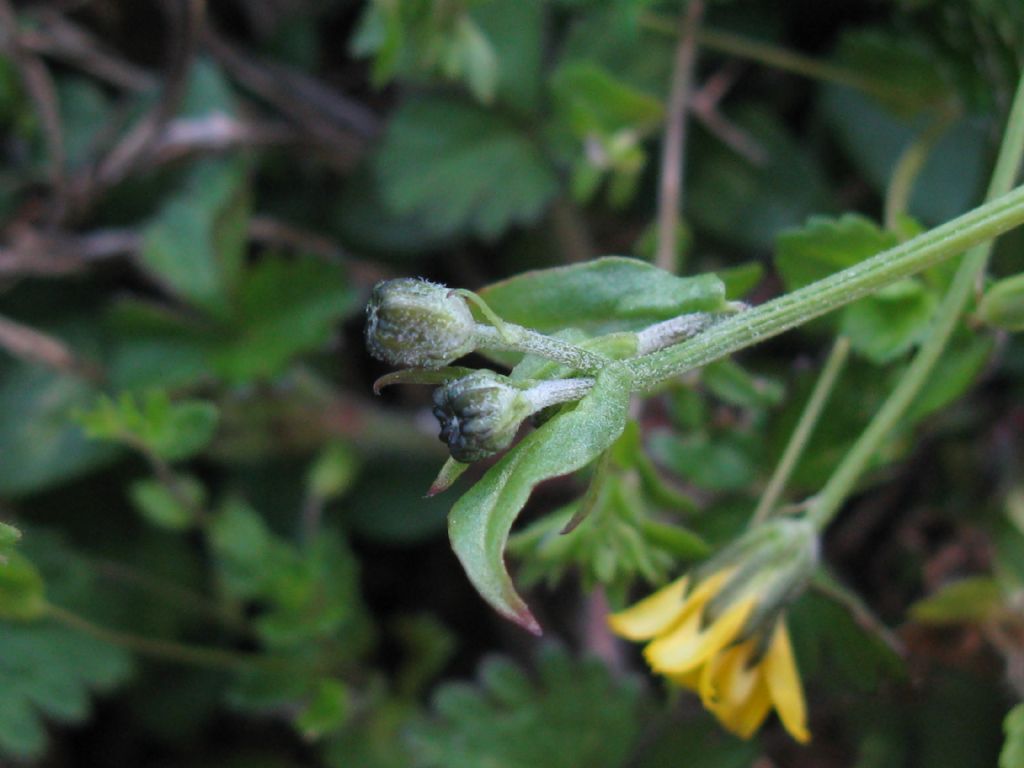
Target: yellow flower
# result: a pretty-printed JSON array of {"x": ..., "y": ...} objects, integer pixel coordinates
[{"x": 724, "y": 637}]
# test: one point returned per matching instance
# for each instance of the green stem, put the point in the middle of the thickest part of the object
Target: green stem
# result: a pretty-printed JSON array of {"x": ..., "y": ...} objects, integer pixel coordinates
[
  {"x": 802, "y": 432},
  {"x": 979, "y": 225},
  {"x": 778, "y": 58},
  {"x": 842, "y": 481},
  {"x": 159, "y": 649}
]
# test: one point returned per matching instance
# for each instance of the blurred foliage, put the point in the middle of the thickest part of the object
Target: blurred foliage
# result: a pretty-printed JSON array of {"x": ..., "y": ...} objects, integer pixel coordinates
[{"x": 214, "y": 548}]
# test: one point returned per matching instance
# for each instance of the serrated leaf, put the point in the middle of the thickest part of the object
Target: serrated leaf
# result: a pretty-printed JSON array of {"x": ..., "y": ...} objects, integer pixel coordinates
[
  {"x": 1012, "y": 754},
  {"x": 967, "y": 600},
  {"x": 462, "y": 169},
  {"x": 574, "y": 715},
  {"x": 196, "y": 243},
  {"x": 21, "y": 589},
  {"x": 610, "y": 293},
  {"x": 49, "y": 671},
  {"x": 173, "y": 431},
  {"x": 480, "y": 521}
]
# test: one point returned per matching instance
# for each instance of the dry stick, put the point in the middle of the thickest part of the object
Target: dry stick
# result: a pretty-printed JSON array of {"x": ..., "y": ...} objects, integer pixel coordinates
[
  {"x": 33, "y": 253},
  {"x": 34, "y": 346},
  {"x": 672, "y": 156}
]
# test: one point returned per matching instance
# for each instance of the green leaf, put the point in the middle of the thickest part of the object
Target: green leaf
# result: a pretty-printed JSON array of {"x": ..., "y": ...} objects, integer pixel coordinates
[
  {"x": 40, "y": 443},
  {"x": 327, "y": 711},
  {"x": 610, "y": 293},
  {"x": 196, "y": 243},
  {"x": 49, "y": 671},
  {"x": 1012, "y": 754},
  {"x": 593, "y": 101},
  {"x": 9, "y": 536},
  {"x": 172, "y": 431},
  {"x": 730, "y": 382},
  {"x": 720, "y": 462},
  {"x": 825, "y": 245},
  {"x": 1002, "y": 306},
  {"x": 462, "y": 169},
  {"x": 479, "y": 523},
  {"x": 21, "y": 589},
  {"x": 284, "y": 307},
  {"x": 741, "y": 279},
  {"x": 174, "y": 510},
  {"x": 515, "y": 30},
  {"x": 85, "y": 112},
  {"x": 575, "y": 714},
  {"x": 889, "y": 322},
  {"x": 968, "y": 600}
]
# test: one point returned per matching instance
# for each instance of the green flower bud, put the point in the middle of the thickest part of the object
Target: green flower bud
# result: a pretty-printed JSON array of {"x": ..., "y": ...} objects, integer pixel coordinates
[
  {"x": 416, "y": 323},
  {"x": 480, "y": 413}
]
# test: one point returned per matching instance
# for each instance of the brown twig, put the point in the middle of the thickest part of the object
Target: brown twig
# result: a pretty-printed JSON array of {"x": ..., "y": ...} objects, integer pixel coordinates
[
  {"x": 705, "y": 107},
  {"x": 33, "y": 253},
  {"x": 34, "y": 346},
  {"x": 672, "y": 156}
]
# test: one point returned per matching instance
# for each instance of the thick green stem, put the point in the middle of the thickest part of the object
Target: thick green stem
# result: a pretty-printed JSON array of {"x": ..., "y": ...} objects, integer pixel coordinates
[
  {"x": 802, "y": 432},
  {"x": 774, "y": 317},
  {"x": 850, "y": 469}
]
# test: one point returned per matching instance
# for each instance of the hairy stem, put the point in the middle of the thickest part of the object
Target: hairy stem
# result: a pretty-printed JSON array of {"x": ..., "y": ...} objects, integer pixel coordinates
[
  {"x": 842, "y": 481},
  {"x": 980, "y": 225}
]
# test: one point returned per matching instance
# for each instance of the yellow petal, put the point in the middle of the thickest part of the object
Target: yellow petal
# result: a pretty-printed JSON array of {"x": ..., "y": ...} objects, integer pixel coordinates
[
  {"x": 746, "y": 719},
  {"x": 651, "y": 615},
  {"x": 784, "y": 684},
  {"x": 731, "y": 680},
  {"x": 687, "y": 646}
]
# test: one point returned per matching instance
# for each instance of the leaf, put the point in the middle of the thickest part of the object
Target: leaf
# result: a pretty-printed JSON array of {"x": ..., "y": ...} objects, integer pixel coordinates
[
  {"x": 172, "y": 431},
  {"x": 284, "y": 307},
  {"x": 327, "y": 711},
  {"x": 575, "y": 714},
  {"x": 9, "y": 536},
  {"x": 881, "y": 326},
  {"x": 969, "y": 600},
  {"x": 891, "y": 321},
  {"x": 1012, "y": 754},
  {"x": 479, "y": 523},
  {"x": 40, "y": 443},
  {"x": 462, "y": 169},
  {"x": 1002, "y": 306},
  {"x": 610, "y": 293},
  {"x": 173, "y": 510},
  {"x": 196, "y": 243},
  {"x": 21, "y": 589},
  {"x": 515, "y": 30},
  {"x": 825, "y": 245},
  {"x": 593, "y": 101}
]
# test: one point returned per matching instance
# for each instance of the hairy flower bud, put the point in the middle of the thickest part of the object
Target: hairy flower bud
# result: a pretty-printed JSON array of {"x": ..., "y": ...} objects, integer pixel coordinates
[
  {"x": 416, "y": 323},
  {"x": 479, "y": 414}
]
